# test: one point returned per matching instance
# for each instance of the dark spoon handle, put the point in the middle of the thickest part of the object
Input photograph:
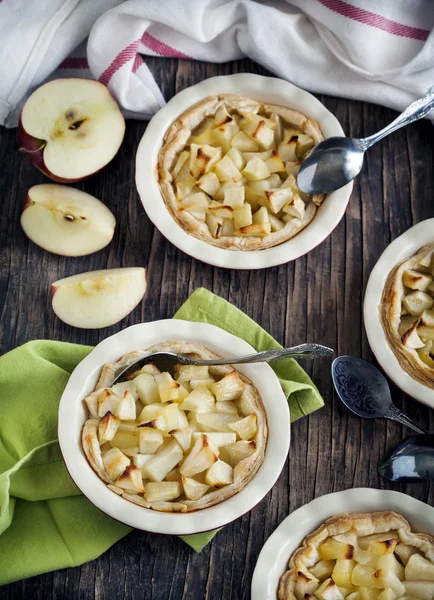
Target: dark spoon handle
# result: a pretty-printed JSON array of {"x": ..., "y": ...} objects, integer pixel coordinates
[{"x": 397, "y": 415}]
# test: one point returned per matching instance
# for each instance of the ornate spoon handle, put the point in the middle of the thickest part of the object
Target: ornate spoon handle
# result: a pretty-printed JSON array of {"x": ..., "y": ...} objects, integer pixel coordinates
[
  {"x": 302, "y": 351},
  {"x": 397, "y": 415},
  {"x": 417, "y": 110}
]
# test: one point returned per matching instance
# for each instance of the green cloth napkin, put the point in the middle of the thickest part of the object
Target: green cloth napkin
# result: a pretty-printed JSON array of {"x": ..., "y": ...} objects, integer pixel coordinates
[{"x": 45, "y": 523}]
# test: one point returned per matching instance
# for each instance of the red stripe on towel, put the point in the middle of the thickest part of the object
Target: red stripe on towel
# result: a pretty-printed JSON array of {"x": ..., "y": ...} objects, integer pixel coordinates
[
  {"x": 130, "y": 53},
  {"x": 138, "y": 62},
  {"x": 127, "y": 54},
  {"x": 368, "y": 18},
  {"x": 161, "y": 48}
]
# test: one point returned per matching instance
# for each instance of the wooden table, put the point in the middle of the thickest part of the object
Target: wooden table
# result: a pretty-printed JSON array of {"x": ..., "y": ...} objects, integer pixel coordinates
[{"x": 319, "y": 298}]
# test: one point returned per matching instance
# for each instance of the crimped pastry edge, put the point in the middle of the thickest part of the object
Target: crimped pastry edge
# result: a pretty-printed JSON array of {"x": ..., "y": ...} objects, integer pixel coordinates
[
  {"x": 246, "y": 469},
  {"x": 361, "y": 523},
  {"x": 390, "y": 317},
  {"x": 175, "y": 140}
]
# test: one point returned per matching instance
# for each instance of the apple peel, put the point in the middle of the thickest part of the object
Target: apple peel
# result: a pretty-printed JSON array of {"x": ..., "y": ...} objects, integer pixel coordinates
[{"x": 71, "y": 128}]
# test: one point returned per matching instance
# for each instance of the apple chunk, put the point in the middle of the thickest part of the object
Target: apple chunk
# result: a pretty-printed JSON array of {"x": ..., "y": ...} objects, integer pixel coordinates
[
  {"x": 71, "y": 128},
  {"x": 98, "y": 298},
  {"x": 66, "y": 221}
]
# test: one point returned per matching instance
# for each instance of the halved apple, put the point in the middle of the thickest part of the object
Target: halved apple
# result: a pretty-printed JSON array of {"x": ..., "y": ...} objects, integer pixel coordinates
[
  {"x": 98, "y": 298},
  {"x": 66, "y": 221},
  {"x": 71, "y": 128}
]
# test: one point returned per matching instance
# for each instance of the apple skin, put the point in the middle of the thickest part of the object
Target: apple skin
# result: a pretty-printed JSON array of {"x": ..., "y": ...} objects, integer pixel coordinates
[
  {"x": 34, "y": 150},
  {"x": 27, "y": 203}
]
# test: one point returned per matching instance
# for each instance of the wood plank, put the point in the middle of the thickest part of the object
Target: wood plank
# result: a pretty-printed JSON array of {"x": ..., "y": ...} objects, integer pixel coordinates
[{"x": 318, "y": 297}]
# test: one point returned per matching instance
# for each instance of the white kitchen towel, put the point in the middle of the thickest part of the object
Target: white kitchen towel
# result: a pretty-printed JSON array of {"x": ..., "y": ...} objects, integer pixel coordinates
[{"x": 381, "y": 51}]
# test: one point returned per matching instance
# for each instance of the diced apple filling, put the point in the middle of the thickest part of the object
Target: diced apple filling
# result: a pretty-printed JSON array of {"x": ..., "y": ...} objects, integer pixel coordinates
[
  {"x": 203, "y": 158},
  {"x": 149, "y": 441},
  {"x": 182, "y": 159},
  {"x": 228, "y": 388},
  {"x": 219, "y": 438},
  {"x": 238, "y": 451},
  {"x": 108, "y": 401},
  {"x": 416, "y": 326},
  {"x": 164, "y": 461},
  {"x": 126, "y": 409},
  {"x": 196, "y": 203},
  {"x": 215, "y": 225},
  {"x": 219, "y": 474},
  {"x": 131, "y": 480},
  {"x": 162, "y": 491},
  {"x": 255, "y": 170},
  {"x": 182, "y": 436},
  {"x": 194, "y": 490},
  {"x": 160, "y": 437},
  {"x": 200, "y": 400},
  {"x": 244, "y": 142},
  {"x": 257, "y": 151},
  {"x": 203, "y": 454},
  {"x": 236, "y": 157},
  {"x": 275, "y": 164},
  {"x": 226, "y": 170},
  {"x": 339, "y": 574},
  {"x": 147, "y": 388},
  {"x": 107, "y": 427},
  {"x": 115, "y": 463},
  {"x": 216, "y": 421},
  {"x": 246, "y": 428}
]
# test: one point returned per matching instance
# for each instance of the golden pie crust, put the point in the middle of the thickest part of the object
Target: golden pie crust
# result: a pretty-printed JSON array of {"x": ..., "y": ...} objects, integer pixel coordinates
[
  {"x": 363, "y": 524},
  {"x": 391, "y": 318},
  {"x": 243, "y": 472},
  {"x": 177, "y": 138}
]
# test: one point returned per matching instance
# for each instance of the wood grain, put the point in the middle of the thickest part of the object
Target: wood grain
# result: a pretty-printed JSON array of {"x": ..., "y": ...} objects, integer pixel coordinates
[{"x": 318, "y": 297}]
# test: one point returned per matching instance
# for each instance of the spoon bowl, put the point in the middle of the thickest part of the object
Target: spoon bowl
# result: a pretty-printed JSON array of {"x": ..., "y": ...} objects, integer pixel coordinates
[
  {"x": 338, "y": 160},
  {"x": 166, "y": 361},
  {"x": 332, "y": 164},
  {"x": 365, "y": 391},
  {"x": 412, "y": 460}
]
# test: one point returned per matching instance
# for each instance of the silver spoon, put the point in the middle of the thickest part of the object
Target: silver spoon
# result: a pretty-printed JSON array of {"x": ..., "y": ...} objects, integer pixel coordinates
[
  {"x": 365, "y": 391},
  {"x": 166, "y": 361},
  {"x": 338, "y": 160}
]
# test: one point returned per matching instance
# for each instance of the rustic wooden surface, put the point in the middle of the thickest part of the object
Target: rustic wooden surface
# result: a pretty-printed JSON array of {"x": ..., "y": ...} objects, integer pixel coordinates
[{"x": 318, "y": 298}]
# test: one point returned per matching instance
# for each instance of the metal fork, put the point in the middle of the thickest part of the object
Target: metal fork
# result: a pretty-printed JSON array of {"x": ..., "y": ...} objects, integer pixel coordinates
[{"x": 166, "y": 361}]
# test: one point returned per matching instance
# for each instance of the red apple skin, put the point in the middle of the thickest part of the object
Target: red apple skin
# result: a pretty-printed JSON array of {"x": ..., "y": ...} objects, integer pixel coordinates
[
  {"x": 27, "y": 203},
  {"x": 34, "y": 149}
]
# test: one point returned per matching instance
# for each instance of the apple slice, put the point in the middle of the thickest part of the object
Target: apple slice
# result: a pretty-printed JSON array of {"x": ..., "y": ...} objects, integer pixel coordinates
[
  {"x": 66, "y": 221},
  {"x": 98, "y": 298},
  {"x": 71, "y": 128}
]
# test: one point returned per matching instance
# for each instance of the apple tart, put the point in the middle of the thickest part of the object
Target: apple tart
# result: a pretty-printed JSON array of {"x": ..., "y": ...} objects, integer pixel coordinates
[
  {"x": 407, "y": 315},
  {"x": 175, "y": 444},
  {"x": 361, "y": 557},
  {"x": 227, "y": 172}
]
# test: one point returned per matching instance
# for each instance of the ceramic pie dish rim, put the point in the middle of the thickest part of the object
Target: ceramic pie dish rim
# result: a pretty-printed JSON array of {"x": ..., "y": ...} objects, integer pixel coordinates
[
  {"x": 402, "y": 248},
  {"x": 271, "y": 90},
  {"x": 289, "y": 535},
  {"x": 72, "y": 411}
]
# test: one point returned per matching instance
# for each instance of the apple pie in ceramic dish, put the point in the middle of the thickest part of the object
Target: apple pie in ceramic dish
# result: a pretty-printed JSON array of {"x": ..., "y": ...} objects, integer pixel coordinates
[
  {"x": 227, "y": 172},
  {"x": 372, "y": 556},
  {"x": 175, "y": 444},
  {"x": 407, "y": 315}
]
